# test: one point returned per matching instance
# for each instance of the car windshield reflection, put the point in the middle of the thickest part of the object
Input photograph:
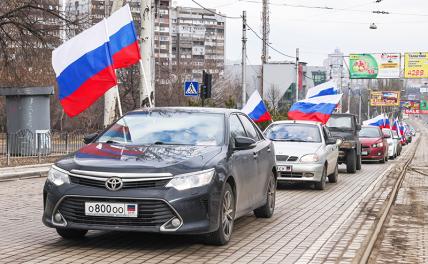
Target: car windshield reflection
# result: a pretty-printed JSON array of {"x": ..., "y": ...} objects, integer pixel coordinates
[{"x": 294, "y": 133}]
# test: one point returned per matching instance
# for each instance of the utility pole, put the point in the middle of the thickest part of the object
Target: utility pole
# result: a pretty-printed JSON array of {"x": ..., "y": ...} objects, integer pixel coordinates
[
  {"x": 244, "y": 57},
  {"x": 147, "y": 50},
  {"x": 349, "y": 97},
  {"x": 297, "y": 74},
  {"x": 265, "y": 39},
  {"x": 359, "y": 108},
  {"x": 112, "y": 95}
]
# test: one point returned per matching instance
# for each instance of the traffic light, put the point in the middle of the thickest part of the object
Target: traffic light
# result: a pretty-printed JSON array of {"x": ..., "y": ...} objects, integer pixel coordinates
[{"x": 206, "y": 86}]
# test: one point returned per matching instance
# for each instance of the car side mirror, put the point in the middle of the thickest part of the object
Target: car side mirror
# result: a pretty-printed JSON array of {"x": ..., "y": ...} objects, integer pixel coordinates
[
  {"x": 331, "y": 141},
  {"x": 89, "y": 138},
  {"x": 358, "y": 127},
  {"x": 242, "y": 143}
]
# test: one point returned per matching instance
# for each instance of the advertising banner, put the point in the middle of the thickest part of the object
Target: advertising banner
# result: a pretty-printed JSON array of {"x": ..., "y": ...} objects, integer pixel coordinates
[
  {"x": 385, "y": 98},
  {"x": 416, "y": 65},
  {"x": 414, "y": 107},
  {"x": 374, "y": 66}
]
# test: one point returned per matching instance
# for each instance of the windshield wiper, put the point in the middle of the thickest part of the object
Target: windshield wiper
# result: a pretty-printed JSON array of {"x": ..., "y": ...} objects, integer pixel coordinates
[{"x": 112, "y": 142}]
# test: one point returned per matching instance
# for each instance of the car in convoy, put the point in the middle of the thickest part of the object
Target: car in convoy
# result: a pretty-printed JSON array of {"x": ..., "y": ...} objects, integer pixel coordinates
[
  {"x": 304, "y": 151},
  {"x": 346, "y": 127},
  {"x": 374, "y": 144},
  {"x": 398, "y": 141},
  {"x": 165, "y": 170},
  {"x": 392, "y": 143}
]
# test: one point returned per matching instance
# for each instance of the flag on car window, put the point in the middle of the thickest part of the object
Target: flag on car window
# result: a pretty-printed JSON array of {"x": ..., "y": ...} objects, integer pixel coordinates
[
  {"x": 317, "y": 108},
  {"x": 84, "y": 69},
  {"x": 256, "y": 109}
]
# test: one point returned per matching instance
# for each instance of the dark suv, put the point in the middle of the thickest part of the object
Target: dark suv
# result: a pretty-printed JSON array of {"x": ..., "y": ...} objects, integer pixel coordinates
[
  {"x": 168, "y": 170},
  {"x": 345, "y": 126}
]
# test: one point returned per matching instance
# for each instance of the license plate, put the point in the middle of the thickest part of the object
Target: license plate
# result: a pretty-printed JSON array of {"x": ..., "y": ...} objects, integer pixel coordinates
[
  {"x": 287, "y": 168},
  {"x": 365, "y": 153},
  {"x": 111, "y": 209}
]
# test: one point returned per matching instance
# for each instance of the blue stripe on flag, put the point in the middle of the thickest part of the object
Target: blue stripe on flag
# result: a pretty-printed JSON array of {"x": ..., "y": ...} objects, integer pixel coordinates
[
  {"x": 329, "y": 91},
  {"x": 77, "y": 73},
  {"x": 123, "y": 38},
  {"x": 258, "y": 111},
  {"x": 304, "y": 107}
]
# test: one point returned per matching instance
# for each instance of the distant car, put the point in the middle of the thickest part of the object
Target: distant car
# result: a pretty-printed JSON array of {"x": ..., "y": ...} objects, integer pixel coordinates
[
  {"x": 374, "y": 144},
  {"x": 164, "y": 170},
  {"x": 397, "y": 138},
  {"x": 392, "y": 143},
  {"x": 305, "y": 151}
]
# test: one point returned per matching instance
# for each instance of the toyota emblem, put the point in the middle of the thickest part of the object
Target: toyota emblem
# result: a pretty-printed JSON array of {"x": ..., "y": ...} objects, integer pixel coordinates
[{"x": 114, "y": 183}]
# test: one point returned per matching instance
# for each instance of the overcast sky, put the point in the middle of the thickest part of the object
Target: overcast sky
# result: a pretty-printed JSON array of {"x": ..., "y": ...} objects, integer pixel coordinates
[{"x": 318, "y": 32}]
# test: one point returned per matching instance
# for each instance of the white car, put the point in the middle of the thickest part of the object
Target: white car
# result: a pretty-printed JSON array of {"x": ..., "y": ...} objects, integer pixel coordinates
[
  {"x": 392, "y": 143},
  {"x": 304, "y": 151}
]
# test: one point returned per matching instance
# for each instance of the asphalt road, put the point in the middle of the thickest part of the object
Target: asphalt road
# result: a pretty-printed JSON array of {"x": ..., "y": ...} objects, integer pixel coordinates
[{"x": 308, "y": 226}]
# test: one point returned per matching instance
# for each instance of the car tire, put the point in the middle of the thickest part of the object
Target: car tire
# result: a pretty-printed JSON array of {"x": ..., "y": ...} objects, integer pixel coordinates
[
  {"x": 227, "y": 216},
  {"x": 333, "y": 178},
  {"x": 266, "y": 211},
  {"x": 358, "y": 166},
  {"x": 69, "y": 233},
  {"x": 351, "y": 161},
  {"x": 321, "y": 184}
]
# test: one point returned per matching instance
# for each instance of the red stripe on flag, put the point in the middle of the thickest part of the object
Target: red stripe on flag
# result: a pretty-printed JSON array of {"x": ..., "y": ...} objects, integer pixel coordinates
[
  {"x": 89, "y": 92},
  {"x": 127, "y": 56},
  {"x": 265, "y": 117},
  {"x": 297, "y": 115}
]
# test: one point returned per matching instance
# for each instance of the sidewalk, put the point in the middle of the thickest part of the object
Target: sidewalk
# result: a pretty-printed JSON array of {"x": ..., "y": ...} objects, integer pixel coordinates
[{"x": 28, "y": 171}]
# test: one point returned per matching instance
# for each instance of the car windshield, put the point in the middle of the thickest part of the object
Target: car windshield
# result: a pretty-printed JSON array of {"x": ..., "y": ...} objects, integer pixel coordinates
[
  {"x": 387, "y": 131},
  {"x": 369, "y": 132},
  {"x": 294, "y": 132},
  {"x": 395, "y": 134},
  {"x": 342, "y": 122},
  {"x": 167, "y": 127}
]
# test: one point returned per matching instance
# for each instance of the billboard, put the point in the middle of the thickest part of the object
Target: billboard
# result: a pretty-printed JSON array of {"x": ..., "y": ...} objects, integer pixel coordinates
[
  {"x": 374, "y": 66},
  {"x": 385, "y": 98},
  {"x": 414, "y": 107},
  {"x": 416, "y": 65}
]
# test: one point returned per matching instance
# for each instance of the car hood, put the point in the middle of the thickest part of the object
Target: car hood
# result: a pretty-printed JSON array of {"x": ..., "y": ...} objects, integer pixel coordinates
[
  {"x": 369, "y": 140},
  {"x": 295, "y": 148},
  {"x": 153, "y": 158}
]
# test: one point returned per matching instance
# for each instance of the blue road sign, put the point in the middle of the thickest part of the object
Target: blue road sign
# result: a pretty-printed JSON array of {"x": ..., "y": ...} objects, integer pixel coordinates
[{"x": 191, "y": 88}]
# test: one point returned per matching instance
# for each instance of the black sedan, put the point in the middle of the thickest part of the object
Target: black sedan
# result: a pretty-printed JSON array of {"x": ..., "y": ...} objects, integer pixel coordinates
[{"x": 168, "y": 170}]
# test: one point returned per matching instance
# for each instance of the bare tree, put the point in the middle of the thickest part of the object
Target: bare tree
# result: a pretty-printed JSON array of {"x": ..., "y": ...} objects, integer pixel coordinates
[{"x": 273, "y": 97}]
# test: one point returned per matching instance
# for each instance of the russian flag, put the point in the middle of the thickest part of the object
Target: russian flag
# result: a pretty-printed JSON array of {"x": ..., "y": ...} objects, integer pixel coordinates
[
  {"x": 376, "y": 121},
  {"x": 84, "y": 69},
  {"x": 387, "y": 124},
  {"x": 256, "y": 109},
  {"x": 123, "y": 38},
  {"x": 327, "y": 88},
  {"x": 317, "y": 108},
  {"x": 395, "y": 126}
]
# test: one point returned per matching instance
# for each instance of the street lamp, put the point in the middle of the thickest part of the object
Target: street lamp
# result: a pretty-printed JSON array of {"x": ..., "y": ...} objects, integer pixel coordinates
[{"x": 373, "y": 26}]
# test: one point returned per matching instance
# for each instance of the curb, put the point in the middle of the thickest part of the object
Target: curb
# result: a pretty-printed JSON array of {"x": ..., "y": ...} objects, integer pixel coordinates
[{"x": 23, "y": 172}]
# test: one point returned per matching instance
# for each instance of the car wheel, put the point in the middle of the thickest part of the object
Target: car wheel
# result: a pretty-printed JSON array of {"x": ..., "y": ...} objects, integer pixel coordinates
[
  {"x": 266, "y": 211},
  {"x": 335, "y": 176},
  {"x": 321, "y": 184},
  {"x": 227, "y": 216},
  {"x": 351, "y": 161},
  {"x": 68, "y": 233},
  {"x": 358, "y": 166}
]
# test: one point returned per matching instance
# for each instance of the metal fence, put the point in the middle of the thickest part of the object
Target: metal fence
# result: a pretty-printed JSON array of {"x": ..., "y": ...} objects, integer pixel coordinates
[{"x": 26, "y": 144}]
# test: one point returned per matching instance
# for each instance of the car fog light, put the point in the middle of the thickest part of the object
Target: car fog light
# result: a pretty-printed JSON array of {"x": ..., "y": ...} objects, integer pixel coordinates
[
  {"x": 308, "y": 174},
  {"x": 58, "y": 217},
  {"x": 175, "y": 222}
]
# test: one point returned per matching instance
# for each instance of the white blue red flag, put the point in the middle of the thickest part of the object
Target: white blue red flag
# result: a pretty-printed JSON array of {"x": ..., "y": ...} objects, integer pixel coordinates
[
  {"x": 123, "y": 38},
  {"x": 386, "y": 123},
  {"x": 327, "y": 88},
  {"x": 256, "y": 109},
  {"x": 317, "y": 108},
  {"x": 376, "y": 121},
  {"x": 84, "y": 69}
]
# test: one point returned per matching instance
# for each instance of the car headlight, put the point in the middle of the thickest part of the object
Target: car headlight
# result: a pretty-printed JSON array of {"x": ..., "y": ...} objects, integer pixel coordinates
[
  {"x": 58, "y": 176},
  {"x": 377, "y": 145},
  {"x": 191, "y": 180},
  {"x": 310, "y": 158}
]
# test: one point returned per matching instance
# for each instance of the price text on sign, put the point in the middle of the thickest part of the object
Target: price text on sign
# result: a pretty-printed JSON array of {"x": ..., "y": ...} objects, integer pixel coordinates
[{"x": 416, "y": 65}]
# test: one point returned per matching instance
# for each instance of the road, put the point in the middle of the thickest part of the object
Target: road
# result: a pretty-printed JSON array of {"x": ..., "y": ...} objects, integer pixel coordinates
[{"x": 327, "y": 226}]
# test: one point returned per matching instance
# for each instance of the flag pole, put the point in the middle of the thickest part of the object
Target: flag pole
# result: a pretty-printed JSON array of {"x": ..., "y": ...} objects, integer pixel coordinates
[
  {"x": 119, "y": 105},
  {"x": 146, "y": 87}
]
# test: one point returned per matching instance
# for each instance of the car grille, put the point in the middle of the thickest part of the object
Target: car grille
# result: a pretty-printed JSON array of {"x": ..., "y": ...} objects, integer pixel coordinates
[
  {"x": 286, "y": 158},
  {"x": 151, "y": 213},
  {"x": 126, "y": 185},
  {"x": 292, "y": 174}
]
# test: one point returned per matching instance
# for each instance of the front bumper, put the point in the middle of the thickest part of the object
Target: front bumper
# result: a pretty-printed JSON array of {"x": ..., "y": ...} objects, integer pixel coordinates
[
  {"x": 305, "y": 172},
  {"x": 373, "y": 153},
  {"x": 197, "y": 208}
]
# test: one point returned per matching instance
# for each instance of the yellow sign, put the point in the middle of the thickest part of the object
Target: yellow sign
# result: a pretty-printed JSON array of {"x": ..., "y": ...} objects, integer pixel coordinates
[
  {"x": 385, "y": 98},
  {"x": 416, "y": 65}
]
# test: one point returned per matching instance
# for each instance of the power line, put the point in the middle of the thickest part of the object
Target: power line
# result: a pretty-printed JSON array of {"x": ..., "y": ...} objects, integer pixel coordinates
[{"x": 215, "y": 13}]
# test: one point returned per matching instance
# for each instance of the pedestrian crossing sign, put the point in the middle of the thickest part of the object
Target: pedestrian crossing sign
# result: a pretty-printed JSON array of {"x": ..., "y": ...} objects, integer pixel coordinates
[{"x": 191, "y": 88}]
